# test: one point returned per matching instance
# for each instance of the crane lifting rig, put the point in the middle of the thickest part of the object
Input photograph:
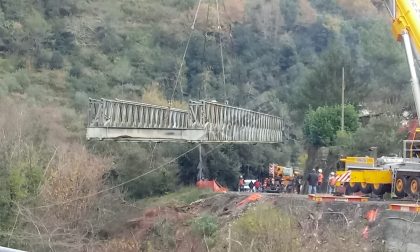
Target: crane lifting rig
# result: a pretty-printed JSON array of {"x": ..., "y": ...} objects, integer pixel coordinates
[{"x": 400, "y": 176}]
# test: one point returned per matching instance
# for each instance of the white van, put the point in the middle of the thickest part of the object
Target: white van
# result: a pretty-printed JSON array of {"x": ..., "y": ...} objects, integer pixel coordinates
[{"x": 246, "y": 184}]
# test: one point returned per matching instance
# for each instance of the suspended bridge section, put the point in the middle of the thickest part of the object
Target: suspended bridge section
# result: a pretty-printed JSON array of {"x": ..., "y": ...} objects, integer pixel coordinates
[{"x": 204, "y": 121}]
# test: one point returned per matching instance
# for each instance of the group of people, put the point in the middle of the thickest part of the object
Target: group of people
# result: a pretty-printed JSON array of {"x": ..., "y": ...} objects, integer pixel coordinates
[
  {"x": 268, "y": 184},
  {"x": 253, "y": 186},
  {"x": 316, "y": 180}
]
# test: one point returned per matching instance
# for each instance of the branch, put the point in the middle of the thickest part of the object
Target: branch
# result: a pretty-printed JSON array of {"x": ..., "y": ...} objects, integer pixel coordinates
[{"x": 341, "y": 213}]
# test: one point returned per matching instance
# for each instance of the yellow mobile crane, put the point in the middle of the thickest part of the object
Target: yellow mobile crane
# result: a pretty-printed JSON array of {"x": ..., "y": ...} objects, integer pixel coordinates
[{"x": 400, "y": 176}]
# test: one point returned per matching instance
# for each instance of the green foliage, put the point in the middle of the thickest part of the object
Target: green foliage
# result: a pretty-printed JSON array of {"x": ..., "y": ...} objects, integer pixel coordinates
[
  {"x": 190, "y": 194},
  {"x": 382, "y": 132},
  {"x": 4, "y": 90},
  {"x": 289, "y": 10},
  {"x": 24, "y": 180},
  {"x": 23, "y": 157},
  {"x": 137, "y": 160},
  {"x": 12, "y": 84},
  {"x": 121, "y": 71},
  {"x": 72, "y": 121},
  {"x": 181, "y": 4},
  {"x": 111, "y": 41},
  {"x": 42, "y": 59},
  {"x": 14, "y": 9},
  {"x": 81, "y": 101},
  {"x": 205, "y": 226},
  {"x": 164, "y": 235},
  {"x": 266, "y": 228},
  {"x": 57, "y": 61},
  {"x": 344, "y": 139},
  {"x": 321, "y": 125},
  {"x": 57, "y": 8}
]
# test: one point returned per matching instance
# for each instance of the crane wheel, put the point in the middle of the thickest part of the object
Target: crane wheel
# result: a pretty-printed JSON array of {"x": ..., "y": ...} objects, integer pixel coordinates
[
  {"x": 354, "y": 187},
  {"x": 400, "y": 186},
  {"x": 365, "y": 188},
  {"x": 379, "y": 189},
  {"x": 414, "y": 186}
]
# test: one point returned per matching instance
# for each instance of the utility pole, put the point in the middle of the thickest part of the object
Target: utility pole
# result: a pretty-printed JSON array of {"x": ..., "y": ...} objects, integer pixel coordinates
[
  {"x": 342, "y": 102},
  {"x": 200, "y": 174}
]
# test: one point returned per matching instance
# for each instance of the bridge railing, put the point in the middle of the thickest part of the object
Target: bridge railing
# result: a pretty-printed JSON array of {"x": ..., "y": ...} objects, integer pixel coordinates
[
  {"x": 233, "y": 124},
  {"x": 128, "y": 114}
]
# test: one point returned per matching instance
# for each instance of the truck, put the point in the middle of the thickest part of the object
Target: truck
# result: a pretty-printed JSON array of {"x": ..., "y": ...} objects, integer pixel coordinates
[
  {"x": 281, "y": 180},
  {"x": 399, "y": 176}
]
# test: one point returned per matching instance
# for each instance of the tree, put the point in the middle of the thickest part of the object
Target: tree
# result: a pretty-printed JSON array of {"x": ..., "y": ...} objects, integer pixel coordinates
[
  {"x": 322, "y": 85},
  {"x": 36, "y": 31},
  {"x": 289, "y": 9},
  {"x": 57, "y": 8},
  {"x": 57, "y": 61},
  {"x": 383, "y": 132},
  {"x": 321, "y": 125},
  {"x": 14, "y": 9},
  {"x": 121, "y": 71}
]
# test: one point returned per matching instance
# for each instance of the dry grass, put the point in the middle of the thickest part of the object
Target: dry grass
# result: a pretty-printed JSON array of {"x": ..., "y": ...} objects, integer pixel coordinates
[
  {"x": 121, "y": 244},
  {"x": 153, "y": 95},
  {"x": 75, "y": 174},
  {"x": 69, "y": 209},
  {"x": 358, "y": 8},
  {"x": 49, "y": 170}
]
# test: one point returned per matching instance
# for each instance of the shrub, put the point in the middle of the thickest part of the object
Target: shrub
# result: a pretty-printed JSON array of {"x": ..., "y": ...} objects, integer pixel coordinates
[
  {"x": 76, "y": 70},
  {"x": 42, "y": 59},
  {"x": 205, "y": 226},
  {"x": 265, "y": 228},
  {"x": 191, "y": 194},
  {"x": 3, "y": 90},
  {"x": 81, "y": 101},
  {"x": 22, "y": 78},
  {"x": 164, "y": 235},
  {"x": 57, "y": 61},
  {"x": 37, "y": 93},
  {"x": 72, "y": 121},
  {"x": 12, "y": 84}
]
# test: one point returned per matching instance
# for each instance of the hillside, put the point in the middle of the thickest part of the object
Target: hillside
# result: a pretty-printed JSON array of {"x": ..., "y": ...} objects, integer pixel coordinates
[{"x": 280, "y": 57}]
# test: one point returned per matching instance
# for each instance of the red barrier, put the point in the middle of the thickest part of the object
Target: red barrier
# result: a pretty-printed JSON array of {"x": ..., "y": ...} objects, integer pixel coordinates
[
  {"x": 211, "y": 184},
  {"x": 371, "y": 215},
  {"x": 251, "y": 198}
]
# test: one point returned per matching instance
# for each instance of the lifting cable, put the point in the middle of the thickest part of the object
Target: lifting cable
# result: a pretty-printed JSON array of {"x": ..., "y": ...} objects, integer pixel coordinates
[
  {"x": 203, "y": 57},
  {"x": 219, "y": 28},
  {"x": 185, "y": 54},
  {"x": 203, "y": 86}
]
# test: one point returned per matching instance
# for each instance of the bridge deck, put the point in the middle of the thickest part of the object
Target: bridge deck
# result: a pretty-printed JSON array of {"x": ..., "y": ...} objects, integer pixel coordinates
[{"x": 203, "y": 122}]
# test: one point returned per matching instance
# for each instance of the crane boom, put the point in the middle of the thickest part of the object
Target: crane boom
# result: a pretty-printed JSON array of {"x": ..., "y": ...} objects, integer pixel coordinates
[
  {"x": 406, "y": 18},
  {"x": 406, "y": 28}
]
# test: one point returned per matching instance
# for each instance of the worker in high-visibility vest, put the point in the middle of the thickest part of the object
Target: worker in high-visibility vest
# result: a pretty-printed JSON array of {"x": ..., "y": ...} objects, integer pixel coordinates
[
  {"x": 331, "y": 183},
  {"x": 320, "y": 180},
  {"x": 241, "y": 184}
]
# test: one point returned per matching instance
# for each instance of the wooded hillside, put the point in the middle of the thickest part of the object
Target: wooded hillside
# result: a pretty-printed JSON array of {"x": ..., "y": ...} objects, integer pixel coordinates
[{"x": 280, "y": 57}]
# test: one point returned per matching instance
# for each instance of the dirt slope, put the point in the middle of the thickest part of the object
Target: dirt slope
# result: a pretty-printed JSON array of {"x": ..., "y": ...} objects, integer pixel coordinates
[{"x": 321, "y": 226}]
